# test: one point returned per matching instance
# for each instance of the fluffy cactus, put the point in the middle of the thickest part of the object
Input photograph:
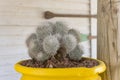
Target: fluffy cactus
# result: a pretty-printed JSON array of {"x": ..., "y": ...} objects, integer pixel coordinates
[
  {"x": 76, "y": 54},
  {"x": 30, "y": 38},
  {"x": 75, "y": 33},
  {"x": 54, "y": 40},
  {"x": 42, "y": 56},
  {"x": 44, "y": 30},
  {"x": 58, "y": 36},
  {"x": 60, "y": 28},
  {"x": 33, "y": 48},
  {"x": 69, "y": 42},
  {"x": 51, "y": 45}
]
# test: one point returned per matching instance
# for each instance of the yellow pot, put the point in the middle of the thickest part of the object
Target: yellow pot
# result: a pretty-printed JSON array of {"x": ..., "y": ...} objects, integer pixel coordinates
[{"x": 82, "y": 73}]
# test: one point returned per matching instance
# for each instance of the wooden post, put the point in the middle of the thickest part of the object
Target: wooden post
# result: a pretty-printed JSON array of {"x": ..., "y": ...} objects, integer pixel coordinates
[{"x": 109, "y": 38}]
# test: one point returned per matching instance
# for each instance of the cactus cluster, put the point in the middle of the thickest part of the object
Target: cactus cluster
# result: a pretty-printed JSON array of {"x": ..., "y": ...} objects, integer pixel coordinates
[{"x": 50, "y": 38}]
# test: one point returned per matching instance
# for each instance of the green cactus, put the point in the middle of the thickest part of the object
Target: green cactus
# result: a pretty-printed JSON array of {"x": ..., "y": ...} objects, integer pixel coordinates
[
  {"x": 54, "y": 40},
  {"x": 51, "y": 45},
  {"x": 42, "y": 56},
  {"x": 33, "y": 48},
  {"x": 44, "y": 30},
  {"x": 75, "y": 33},
  {"x": 58, "y": 36},
  {"x": 31, "y": 37},
  {"x": 60, "y": 28},
  {"x": 76, "y": 54},
  {"x": 69, "y": 42}
]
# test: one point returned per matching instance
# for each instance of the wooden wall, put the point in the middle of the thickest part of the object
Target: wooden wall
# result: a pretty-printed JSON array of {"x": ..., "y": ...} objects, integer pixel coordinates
[{"x": 19, "y": 18}]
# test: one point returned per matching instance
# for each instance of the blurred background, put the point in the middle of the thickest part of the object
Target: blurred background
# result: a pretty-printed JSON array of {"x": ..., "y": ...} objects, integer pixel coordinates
[{"x": 19, "y": 18}]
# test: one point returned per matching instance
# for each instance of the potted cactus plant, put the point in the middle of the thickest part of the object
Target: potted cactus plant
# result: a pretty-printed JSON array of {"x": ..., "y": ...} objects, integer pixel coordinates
[{"x": 56, "y": 55}]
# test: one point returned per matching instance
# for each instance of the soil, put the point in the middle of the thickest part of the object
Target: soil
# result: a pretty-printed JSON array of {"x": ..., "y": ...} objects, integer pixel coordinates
[{"x": 65, "y": 63}]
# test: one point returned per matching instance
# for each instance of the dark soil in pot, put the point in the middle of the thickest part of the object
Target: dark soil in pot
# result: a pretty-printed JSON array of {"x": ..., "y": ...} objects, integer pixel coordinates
[{"x": 66, "y": 63}]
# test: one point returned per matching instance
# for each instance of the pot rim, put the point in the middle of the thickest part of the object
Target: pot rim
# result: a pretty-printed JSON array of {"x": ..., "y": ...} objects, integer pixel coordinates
[{"x": 61, "y": 71}]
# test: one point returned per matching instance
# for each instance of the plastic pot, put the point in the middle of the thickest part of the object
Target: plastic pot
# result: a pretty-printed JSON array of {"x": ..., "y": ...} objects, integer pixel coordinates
[{"x": 82, "y": 73}]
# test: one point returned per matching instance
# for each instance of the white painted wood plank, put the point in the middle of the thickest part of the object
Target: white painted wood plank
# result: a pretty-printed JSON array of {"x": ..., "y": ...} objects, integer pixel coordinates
[
  {"x": 94, "y": 41},
  {"x": 12, "y": 40},
  {"x": 11, "y": 76},
  {"x": 12, "y": 50},
  {"x": 28, "y": 15},
  {"x": 17, "y": 30},
  {"x": 7, "y": 70},
  {"x": 38, "y": 6},
  {"x": 94, "y": 28},
  {"x": 19, "y": 20},
  {"x": 57, "y": 5},
  {"x": 93, "y": 6},
  {"x": 40, "y": 9},
  {"x": 19, "y": 11},
  {"x": 94, "y": 48},
  {"x": 46, "y": 4},
  {"x": 6, "y": 2},
  {"x": 36, "y": 12},
  {"x": 11, "y": 60},
  {"x": 8, "y": 61},
  {"x": 12, "y": 57}
]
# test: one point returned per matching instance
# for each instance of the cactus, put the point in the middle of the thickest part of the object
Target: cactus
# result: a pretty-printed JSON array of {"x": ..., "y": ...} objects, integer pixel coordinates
[
  {"x": 54, "y": 40},
  {"x": 51, "y": 45},
  {"x": 60, "y": 28},
  {"x": 58, "y": 36},
  {"x": 35, "y": 51},
  {"x": 33, "y": 48},
  {"x": 44, "y": 30},
  {"x": 30, "y": 38},
  {"x": 75, "y": 33},
  {"x": 42, "y": 56},
  {"x": 69, "y": 42},
  {"x": 76, "y": 53}
]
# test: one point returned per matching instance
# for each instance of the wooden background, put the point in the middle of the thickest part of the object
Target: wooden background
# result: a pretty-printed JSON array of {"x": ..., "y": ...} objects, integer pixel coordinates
[
  {"x": 109, "y": 37},
  {"x": 19, "y": 18}
]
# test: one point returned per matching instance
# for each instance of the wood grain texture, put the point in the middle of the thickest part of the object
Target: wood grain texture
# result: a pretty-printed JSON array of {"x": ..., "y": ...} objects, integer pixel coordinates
[
  {"x": 64, "y": 4},
  {"x": 109, "y": 38},
  {"x": 23, "y": 12}
]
